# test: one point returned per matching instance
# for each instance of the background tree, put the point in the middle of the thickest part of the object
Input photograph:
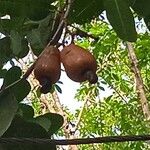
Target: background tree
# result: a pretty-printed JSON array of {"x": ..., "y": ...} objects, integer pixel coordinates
[{"x": 27, "y": 27}]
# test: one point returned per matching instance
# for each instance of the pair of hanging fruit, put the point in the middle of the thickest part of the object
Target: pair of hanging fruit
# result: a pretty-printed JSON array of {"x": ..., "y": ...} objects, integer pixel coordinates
[{"x": 80, "y": 65}]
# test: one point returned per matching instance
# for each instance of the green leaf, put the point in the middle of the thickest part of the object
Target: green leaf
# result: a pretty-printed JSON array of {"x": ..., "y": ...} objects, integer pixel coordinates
[
  {"x": 5, "y": 51},
  {"x": 22, "y": 128},
  {"x": 58, "y": 88},
  {"x": 121, "y": 19},
  {"x": 34, "y": 38},
  {"x": 12, "y": 75},
  {"x": 85, "y": 10},
  {"x": 21, "y": 89},
  {"x": 101, "y": 88},
  {"x": 141, "y": 7},
  {"x": 51, "y": 122},
  {"x": 24, "y": 48},
  {"x": 15, "y": 42},
  {"x": 115, "y": 76},
  {"x": 22, "y": 86},
  {"x": 147, "y": 22},
  {"x": 33, "y": 9},
  {"x": 8, "y": 108},
  {"x": 25, "y": 111},
  {"x": 3, "y": 73}
]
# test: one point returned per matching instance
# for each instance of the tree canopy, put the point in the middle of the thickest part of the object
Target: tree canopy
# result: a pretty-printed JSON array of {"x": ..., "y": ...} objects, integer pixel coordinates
[{"x": 116, "y": 32}]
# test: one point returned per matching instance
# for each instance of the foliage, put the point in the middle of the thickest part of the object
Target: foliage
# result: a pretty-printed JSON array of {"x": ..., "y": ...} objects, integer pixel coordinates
[
  {"x": 29, "y": 25},
  {"x": 118, "y": 113}
]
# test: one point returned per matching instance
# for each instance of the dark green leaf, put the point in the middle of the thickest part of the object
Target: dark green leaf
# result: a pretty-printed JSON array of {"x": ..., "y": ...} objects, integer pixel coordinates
[
  {"x": 24, "y": 48},
  {"x": 21, "y": 128},
  {"x": 121, "y": 19},
  {"x": 22, "y": 86},
  {"x": 12, "y": 75},
  {"x": 34, "y": 37},
  {"x": 5, "y": 51},
  {"x": 33, "y": 9},
  {"x": 60, "y": 82},
  {"x": 3, "y": 73},
  {"x": 25, "y": 111},
  {"x": 19, "y": 44},
  {"x": 147, "y": 21},
  {"x": 141, "y": 7},
  {"x": 21, "y": 89},
  {"x": 85, "y": 10},
  {"x": 58, "y": 88},
  {"x": 8, "y": 108},
  {"x": 50, "y": 121},
  {"x": 101, "y": 88},
  {"x": 15, "y": 42}
]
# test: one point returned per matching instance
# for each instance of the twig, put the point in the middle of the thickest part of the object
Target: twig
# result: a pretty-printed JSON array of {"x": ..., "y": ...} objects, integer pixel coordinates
[
  {"x": 83, "y": 33},
  {"x": 82, "y": 110},
  {"x": 10, "y": 86},
  {"x": 105, "y": 139}
]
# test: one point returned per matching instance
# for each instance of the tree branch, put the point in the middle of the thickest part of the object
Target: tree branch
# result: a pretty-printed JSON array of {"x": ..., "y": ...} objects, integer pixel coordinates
[
  {"x": 105, "y": 139},
  {"x": 139, "y": 82},
  {"x": 61, "y": 23}
]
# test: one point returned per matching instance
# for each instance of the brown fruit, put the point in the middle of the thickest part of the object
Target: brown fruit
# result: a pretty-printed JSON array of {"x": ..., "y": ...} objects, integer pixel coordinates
[
  {"x": 80, "y": 65},
  {"x": 47, "y": 69}
]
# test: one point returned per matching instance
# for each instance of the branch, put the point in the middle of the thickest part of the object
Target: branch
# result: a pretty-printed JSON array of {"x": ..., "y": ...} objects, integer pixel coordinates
[
  {"x": 61, "y": 23},
  {"x": 83, "y": 33},
  {"x": 139, "y": 82},
  {"x": 105, "y": 139},
  {"x": 82, "y": 110}
]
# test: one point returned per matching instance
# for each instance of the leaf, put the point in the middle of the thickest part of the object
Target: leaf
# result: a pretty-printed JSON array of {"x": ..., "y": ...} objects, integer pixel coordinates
[
  {"x": 3, "y": 73},
  {"x": 22, "y": 86},
  {"x": 16, "y": 42},
  {"x": 22, "y": 128},
  {"x": 5, "y": 51},
  {"x": 21, "y": 89},
  {"x": 25, "y": 111},
  {"x": 8, "y": 108},
  {"x": 60, "y": 82},
  {"x": 34, "y": 38},
  {"x": 33, "y": 9},
  {"x": 141, "y": 7},
  {"x": 115, "y": 76},
  {"x": 24, "y": 48},
  {"x": 101, "y": 88},
  {"x": 58, "y": 88},
  {"x": 50, "y": 121},
  {"x": 121, "y": 19},
  {"x": 85, "y": 10},
  {"x": 39, "y": 37},
  {"x": 147, "y": 22},
  {"x": 12, "y": 75}
]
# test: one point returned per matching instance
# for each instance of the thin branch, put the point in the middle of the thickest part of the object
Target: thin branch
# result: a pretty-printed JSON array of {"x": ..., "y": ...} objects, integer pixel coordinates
[
  {"x": 83, "y": 33},
  {"x": 61, "y": 23},
  {"x": 105, "y": 139},
  {"x": 139, "y": 82},
  {"x": 9, "y": 86},
  {"x": 81, "y": 112}
]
